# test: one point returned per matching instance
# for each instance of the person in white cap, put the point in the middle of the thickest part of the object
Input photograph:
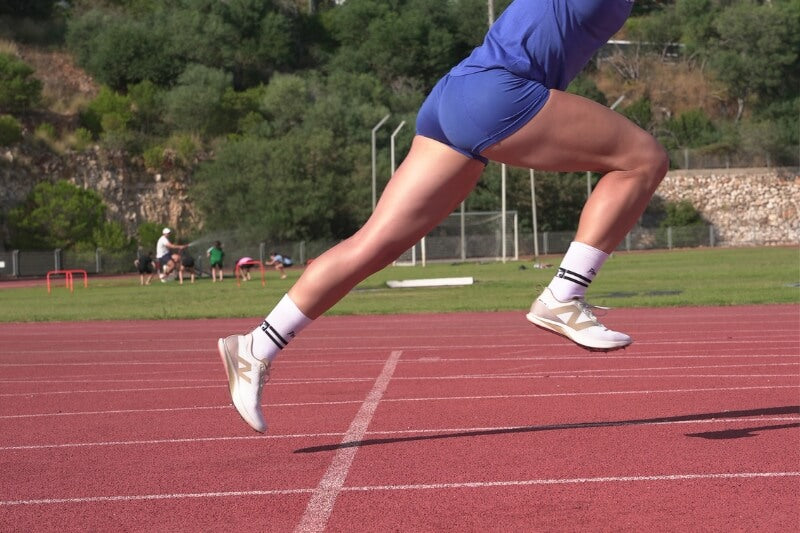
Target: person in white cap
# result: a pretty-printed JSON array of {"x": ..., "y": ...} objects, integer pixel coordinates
[{"x": 164, "y": 251}]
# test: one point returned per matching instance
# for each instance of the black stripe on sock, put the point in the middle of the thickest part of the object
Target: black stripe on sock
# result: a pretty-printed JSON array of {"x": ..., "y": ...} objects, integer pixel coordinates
[
  {"x": 273, "y": 335},
  {"x": 275, "y": 332},
  {"x": 574, "y": 277}
]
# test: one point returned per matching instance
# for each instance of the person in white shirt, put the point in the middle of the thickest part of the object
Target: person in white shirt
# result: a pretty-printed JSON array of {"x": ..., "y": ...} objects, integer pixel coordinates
[{"x": 166, "y": 253}]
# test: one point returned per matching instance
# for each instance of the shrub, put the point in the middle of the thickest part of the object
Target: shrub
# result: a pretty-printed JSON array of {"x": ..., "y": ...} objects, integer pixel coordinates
[
  {"x": 154, "y": 157},
  {"x": 681, "y": 213},
  {"x": 148, "y": 233},
  {"x": 19, "y": 90},
  {"x": 46, "y": 132},
  {"x": 81, "y": 139},
  {"x": 10, "y": 130}
]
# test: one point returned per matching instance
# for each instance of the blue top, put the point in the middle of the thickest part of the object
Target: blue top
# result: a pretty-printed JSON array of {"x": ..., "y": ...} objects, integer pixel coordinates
[{"x": 548, "y": 41}]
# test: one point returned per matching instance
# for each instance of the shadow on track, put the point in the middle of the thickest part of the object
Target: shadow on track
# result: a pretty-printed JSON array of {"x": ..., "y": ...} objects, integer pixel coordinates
[{"x": 727, "y": 434}]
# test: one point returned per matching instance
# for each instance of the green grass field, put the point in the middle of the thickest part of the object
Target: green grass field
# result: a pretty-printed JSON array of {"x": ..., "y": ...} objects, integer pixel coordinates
[{"x": 719, "y": 276}]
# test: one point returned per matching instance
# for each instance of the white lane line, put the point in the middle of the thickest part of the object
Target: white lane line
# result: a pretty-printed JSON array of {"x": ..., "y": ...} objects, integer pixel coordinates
[
  {"x": 413, "y": 399},
  {"x": 791, "y": 341},
  {"x": 515, "y": 376},
  {"x": 431, "y": 486},
  {"x": 615, "y": 479},
  {"x": 601, "y": 393},
  {"x": 510, "y": 373},
  {"x": 401, "y": 432},
  {"x": 444, "y": 357},
  {"x": 321, "y": 503}
]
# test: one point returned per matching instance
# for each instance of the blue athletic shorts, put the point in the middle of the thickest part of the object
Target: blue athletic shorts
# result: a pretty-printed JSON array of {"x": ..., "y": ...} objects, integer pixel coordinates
[{"x": 473, "y": 111}]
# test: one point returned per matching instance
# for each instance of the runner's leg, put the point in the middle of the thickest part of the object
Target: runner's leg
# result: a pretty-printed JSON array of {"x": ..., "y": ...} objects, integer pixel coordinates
[
  {"x": 572, "y": 133},
  {"x": 429, "y": 184}
]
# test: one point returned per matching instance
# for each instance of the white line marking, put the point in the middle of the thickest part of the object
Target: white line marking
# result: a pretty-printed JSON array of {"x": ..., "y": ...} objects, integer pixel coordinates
[
  {"x": 533, "y": 346},
  {"x": 321, "y": 503},
  {"x": 407, "y": 432},
  {"x": 602, "y": 393},
  {"x": 410, "y": 399},
  {"x": 445, "y": 357},
  {"x": 434, "y": 486},
  {"x": 616, "y": 479},
  {"x": 542, "y": 374}
]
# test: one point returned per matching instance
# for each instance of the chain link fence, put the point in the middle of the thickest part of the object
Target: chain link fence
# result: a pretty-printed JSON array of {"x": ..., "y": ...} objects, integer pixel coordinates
[
  {"x": 714, "y": 158},
  {"x": 482, "y": 241}
]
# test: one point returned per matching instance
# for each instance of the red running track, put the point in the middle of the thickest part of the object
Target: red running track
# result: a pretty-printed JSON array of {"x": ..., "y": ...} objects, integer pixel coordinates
[{"x": 457, "y": 422}]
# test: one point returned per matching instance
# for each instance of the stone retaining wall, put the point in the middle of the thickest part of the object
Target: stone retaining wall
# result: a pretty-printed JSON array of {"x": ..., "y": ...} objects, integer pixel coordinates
[{"x": 746, "y": 206}]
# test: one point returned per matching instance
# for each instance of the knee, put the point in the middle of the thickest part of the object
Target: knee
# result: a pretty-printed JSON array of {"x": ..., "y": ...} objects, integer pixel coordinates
[{"x": 651, "y": 161}]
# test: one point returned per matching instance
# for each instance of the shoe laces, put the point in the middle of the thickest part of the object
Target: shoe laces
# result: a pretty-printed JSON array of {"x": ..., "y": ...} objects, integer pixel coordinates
[{"x": 588, "y": 310}]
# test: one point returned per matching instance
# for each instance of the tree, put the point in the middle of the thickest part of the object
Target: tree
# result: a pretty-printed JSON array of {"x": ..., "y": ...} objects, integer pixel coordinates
[
  {"x": 756, "y": 51},
  {"x": 111, "y": 237},
  {"x": 690, "y": 129},
  {"x": 122, "y": 51},
  {"x": 37, "y": 9},
  {"x": 56, "y": 215},
  {"x": 19, "y": 90},
  {"x": 195, "y": 104}
]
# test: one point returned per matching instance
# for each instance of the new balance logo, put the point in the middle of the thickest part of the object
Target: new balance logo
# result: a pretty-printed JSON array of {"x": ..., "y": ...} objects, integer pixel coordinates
[{"x": 243, "y": 366}]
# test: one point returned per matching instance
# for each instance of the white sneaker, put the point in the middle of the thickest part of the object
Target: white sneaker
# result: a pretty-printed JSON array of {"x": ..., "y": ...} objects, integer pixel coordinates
[
  {"x": 576, "y": 321},
  {"x": 246, "y": 377}
]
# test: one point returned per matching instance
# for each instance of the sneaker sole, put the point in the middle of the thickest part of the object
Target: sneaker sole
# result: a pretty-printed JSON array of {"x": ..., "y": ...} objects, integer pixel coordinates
[
  {"x": 557, "y": 329},
  {"x": 230, "y": 371}
]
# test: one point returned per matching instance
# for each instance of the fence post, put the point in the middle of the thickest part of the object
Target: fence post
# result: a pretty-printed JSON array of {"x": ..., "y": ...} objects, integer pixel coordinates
[
  {"x": 516, "y": 237},
  {"x": 302, "y": 252},
  {"x": 628, "y": 241},
  {"x": 711, "y": 236},
  {"x": 545, "y": 243},
  {"x": 57, "y": 259},
  {"x": 669, "y": 237},
  {"x": 98, "y": 260},
  {"x": 15, "y": 263},
  {"x": 262, "y": 248}
]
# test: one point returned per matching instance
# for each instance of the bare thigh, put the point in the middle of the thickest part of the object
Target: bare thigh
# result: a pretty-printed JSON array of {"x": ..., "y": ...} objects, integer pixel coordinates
[
  {"x": 429, "y": 184},
  {"x": 572, "y": 133}
]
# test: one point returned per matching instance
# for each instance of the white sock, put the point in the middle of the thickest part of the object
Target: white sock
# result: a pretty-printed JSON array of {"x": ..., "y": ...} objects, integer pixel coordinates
[
  {"x": 578, "y": 268},
  {"x": 283, "y": 323}
]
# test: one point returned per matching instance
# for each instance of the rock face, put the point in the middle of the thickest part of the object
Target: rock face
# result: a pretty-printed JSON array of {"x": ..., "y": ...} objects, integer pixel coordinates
[
  {"x": 132, "y": 194},
  {"x": 746, "y": 206}
]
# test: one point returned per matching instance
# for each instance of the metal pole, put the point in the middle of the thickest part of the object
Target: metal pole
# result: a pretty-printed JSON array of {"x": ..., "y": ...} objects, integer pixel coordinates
[
  {"x": 490, "y": 9},
  {"x": 374, "y": 162},
  {"x": 394, "y": 134},
  {"x": 533, "y": 214},
  {"x": 588, "y": 184},
  {"x": 503, "y": 208},
  {"x": 516, "y": 236},
  {"x": 463, "y": 235}
]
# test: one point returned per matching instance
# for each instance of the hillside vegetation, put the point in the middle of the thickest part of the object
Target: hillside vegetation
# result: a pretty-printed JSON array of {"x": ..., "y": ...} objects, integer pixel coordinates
[{"x": 265, "y": 107}]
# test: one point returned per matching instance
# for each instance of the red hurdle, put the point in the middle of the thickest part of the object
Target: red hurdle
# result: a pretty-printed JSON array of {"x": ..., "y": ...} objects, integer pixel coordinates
[
  {"x": 238, "y": 269},
  {"x": 68, "y": 278}
]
